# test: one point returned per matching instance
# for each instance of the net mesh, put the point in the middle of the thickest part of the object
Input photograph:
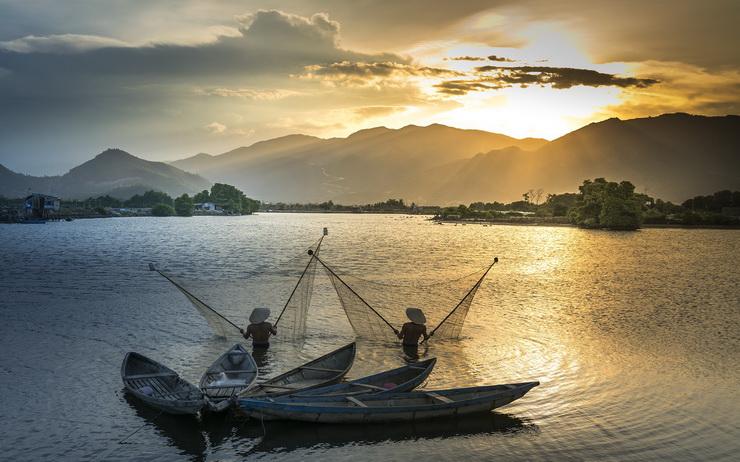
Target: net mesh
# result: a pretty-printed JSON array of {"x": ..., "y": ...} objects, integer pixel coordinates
[
  {"x": 285, "y": 289},
  {"x": 368, "y": 304},
  {"x": 219, "y": 325},
  {"x": 292, "y": 320}
]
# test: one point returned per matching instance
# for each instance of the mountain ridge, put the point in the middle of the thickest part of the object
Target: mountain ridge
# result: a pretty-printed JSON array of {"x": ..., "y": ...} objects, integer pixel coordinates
[
  {"x": 113, "y": 171},
  {"x": 671, "y": 156}
]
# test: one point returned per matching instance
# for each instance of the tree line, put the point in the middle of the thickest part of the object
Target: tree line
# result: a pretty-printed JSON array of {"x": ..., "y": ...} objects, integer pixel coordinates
[
  {"x": 607, "y": 204},
  {"x": 226, "y": 197}
]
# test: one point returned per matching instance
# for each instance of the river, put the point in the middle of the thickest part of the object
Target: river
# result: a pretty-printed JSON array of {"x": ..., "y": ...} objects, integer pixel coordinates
[{"x": 635, "y": 337}]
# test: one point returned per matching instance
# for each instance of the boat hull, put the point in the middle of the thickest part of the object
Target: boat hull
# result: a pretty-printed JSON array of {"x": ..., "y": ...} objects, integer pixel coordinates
[
  {"x": 232, "y": 373},
  {"x": 384, "y": 409},
  {"x": 326, "y": 370},
  {"x": 168, "y": 392},
  {"x": 405, "y": 378}
]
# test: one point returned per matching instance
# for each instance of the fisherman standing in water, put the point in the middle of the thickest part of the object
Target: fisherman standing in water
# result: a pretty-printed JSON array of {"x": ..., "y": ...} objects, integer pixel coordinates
[
  {"x": 412, "y": 331},
  {"x": 259, "y": 329}
]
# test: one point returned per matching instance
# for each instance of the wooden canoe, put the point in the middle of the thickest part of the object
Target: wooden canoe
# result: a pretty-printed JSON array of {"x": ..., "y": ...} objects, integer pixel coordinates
[
  {"x": 397, "y": 407},
  {"x": 159, "y": 386},
  {"x": 397, "y": 380},
  {"x": 320, "y": 372},
  {"x": 233, "y": 372}
]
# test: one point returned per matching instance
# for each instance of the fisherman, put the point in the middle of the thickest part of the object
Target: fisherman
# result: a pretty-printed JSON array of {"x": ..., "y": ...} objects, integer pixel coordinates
[
  {"x": 412, "y": 331},
  {"x": 259, "y": 329}
]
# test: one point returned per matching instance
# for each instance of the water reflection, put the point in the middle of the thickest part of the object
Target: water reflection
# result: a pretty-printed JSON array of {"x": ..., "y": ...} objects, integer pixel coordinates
[
  {"x": 290, "y": 436},
  {"x": 182, "y": 432}
]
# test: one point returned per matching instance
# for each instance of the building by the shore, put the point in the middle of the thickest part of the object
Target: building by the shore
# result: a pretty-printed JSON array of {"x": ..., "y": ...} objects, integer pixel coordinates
[{"x": 41, "y": 206}]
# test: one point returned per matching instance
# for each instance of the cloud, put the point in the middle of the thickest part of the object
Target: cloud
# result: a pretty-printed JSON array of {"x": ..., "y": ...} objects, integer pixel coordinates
[
  {"x": 248, "y": 93},
  {"x": 466, "y": 58},
  {"x": 60, "y": 44},
  {"x": 216, "y": 128},
  {"x": 369, "y": 112},
  {"x": 498, "y": 77},
  {"x": 682, "y": 87},
  {"x": 275, "y": 24},
  {"x": 500, "y": 59},
  {"x": 371, "y": 73},
  {"x": 462, "y": 87}
]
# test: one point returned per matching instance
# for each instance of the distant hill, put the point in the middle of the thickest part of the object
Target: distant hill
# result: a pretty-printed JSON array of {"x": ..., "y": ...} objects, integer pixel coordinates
[
  {"x": 368, "y": 165},
  {"x": 113, "y": 171},
  {"x": 673, "y": 157}
]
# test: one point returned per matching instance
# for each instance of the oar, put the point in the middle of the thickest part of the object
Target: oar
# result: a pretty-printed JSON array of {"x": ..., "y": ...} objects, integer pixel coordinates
[
  {"x": 311, "y": 252},
  {"x": 495, "y": 260},
  {"x": 186, "y": 292}
]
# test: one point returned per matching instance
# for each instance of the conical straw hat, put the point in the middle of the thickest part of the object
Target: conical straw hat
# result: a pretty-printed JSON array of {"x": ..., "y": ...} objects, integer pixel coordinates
[
  {"x": 259, "y": 315},
  {"x": 416, "y": 315}
]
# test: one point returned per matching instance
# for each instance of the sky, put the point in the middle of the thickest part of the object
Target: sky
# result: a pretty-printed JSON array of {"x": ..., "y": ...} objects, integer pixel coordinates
[{"x": 165, "y": 79}]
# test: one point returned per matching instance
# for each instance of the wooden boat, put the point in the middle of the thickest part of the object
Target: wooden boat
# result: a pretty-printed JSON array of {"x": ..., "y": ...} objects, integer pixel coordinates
[
  {"x": 159, "y": 386},
  {"x": 233, "y": 372},
  {"x": 397, "y": 380},
  {"x": 320, "y": 372},
  {"x": 397, "y": 407}
]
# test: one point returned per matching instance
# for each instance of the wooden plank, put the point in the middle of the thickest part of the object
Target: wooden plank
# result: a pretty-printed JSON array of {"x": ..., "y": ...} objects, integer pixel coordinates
[
  {"x": 372, "y": 387},
  {"x": 320, "y": 369},
  {"x": 355, "y": 401},
  {"x": 277, "y": 386},
  {"x": 438, "y": 397},
  {"x": 237, "y": 371},
  {"x": 147, "y": 376}
]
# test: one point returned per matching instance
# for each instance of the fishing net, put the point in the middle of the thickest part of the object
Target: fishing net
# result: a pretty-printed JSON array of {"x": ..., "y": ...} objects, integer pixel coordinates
[
  {"x": 292, "y": 320},
  {"x": 375, "y": 307},
  {"x": 285, "y": 288}
]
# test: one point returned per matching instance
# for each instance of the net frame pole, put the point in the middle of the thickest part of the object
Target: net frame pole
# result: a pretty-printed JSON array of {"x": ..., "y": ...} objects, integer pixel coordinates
[
  {"x": 355, "y": 294},
  {"x": 495, "y": 260},
  {"x": 287, "y": 302},
  {"x": 187, "y": 292}
]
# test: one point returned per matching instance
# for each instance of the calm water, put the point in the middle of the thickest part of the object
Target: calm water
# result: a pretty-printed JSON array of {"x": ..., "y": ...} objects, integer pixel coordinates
[{"x": 635, "y": 338}]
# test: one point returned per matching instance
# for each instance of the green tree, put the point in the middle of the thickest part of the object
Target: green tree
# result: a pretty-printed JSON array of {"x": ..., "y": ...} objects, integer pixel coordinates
[
  {"x": 605, "y": 204},
  {"x": 149, "y": 199},
  {"x": 163, "y": 210},
  {"x": 201, "y": 197},
  {"x": 184, "y": 206}
]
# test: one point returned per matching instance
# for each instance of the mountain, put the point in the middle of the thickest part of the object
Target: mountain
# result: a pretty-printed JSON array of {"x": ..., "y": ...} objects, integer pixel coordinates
[
  {"x": 113, "y": 172},
  {"x": 672, "y": 157},
  {"x": 368, "y": 165}
]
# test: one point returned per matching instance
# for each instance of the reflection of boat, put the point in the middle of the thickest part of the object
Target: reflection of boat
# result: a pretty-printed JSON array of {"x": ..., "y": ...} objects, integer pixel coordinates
[
  {"x": 320, "y": 372},
  {"x": 404, "y": 378},
  {"x": 182, "y": 432},
  {"x": 397, "y": 407},
  {"x": 159, "y": 386},
  {"x": 233, "y": 372},
  {"x": 290, "y": 436}
]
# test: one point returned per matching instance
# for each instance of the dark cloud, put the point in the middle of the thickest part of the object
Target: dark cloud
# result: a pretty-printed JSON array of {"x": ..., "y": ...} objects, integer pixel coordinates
[
  {"x": 359, "y": 73},
  {"x": 500, "y": 59},
  {"x": 497, "y": 77},
  {"x": 380, "y": 69},
  {"x": 74, "y": 87},
  {"x": 560, "y": 77},
  {"x": 462, "y": 87}
]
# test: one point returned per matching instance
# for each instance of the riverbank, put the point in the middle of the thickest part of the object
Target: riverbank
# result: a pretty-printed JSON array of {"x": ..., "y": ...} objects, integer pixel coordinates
[{"x": 549, "y": 221}]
